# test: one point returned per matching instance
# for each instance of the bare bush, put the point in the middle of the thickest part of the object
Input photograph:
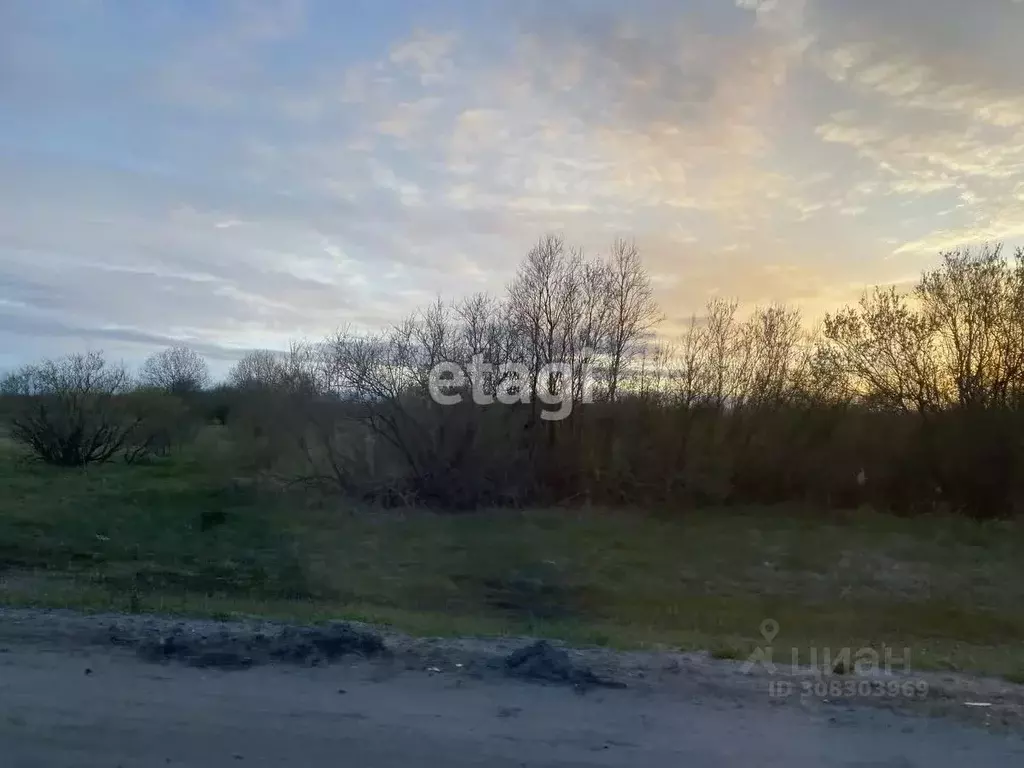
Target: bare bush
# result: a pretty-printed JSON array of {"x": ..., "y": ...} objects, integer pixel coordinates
[
  {"x": 163, "y": 422},
  {"x": 420, "y": 450},
  {"x": 177, "y": 370},
  {"x": 973, "y": 307},
  {"x": 885, "y": 349},
  {"x": 72, "y": 413},
  {"x": 259, "y": 369}
]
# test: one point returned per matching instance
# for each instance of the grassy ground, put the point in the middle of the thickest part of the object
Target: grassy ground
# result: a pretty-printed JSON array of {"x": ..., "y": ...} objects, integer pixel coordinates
[{"x": 154, "y": 538}]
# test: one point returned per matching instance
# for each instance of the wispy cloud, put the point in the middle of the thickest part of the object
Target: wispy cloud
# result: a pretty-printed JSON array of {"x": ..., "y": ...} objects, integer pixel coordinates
[{"x": 237, "y": 173}]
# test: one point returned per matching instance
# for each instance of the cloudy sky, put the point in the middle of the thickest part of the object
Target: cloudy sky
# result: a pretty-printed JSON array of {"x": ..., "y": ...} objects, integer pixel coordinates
[{"x": 234, "y": 174}]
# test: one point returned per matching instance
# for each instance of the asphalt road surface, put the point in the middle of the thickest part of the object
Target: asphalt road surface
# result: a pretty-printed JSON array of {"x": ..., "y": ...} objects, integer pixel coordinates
[{"x": 105, "y": 709}]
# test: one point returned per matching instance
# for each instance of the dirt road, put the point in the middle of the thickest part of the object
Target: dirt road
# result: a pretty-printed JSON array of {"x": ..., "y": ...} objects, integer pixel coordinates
[{"x": 90, "y": 706}]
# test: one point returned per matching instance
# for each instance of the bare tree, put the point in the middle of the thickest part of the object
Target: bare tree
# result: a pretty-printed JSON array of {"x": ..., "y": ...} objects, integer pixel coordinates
[
  {"x": 539, "y": 308},
  {"x": 484, "y": 331},
  {"x": 73, "y": 415},
  {"x": 958, "y": 339},
  {"x": 385, "y": 378},
  {"x": 654, "y": 374},
  {"x": 593, "y": 316},
  {"x": 178, "y": 370},
  {"x": 818, "y": 379},
  {"x": 17, "y": 383},
  {"x": 591, "y": 322},
  {"x": 432, "y": 339},
  {"x": 772, "y": 340},
  {"x": 974, "y": 304},
  {"x": 634, "y": 312},
  {"x": 378, "y": 373},
  {"x": 726, "y": 359},
  {"x": 302, "y": 370},
  {"x": 689, "y": 371},
  {"x": 887, "y": 351},
  {"x": 259, "y": 369}
]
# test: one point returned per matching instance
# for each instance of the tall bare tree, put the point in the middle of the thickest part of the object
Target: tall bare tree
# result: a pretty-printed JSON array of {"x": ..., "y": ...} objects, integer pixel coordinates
[
  {"x": 772, "y": 338},
  {"x": 689, "y": 370},
  {"x": 633, "y": 310},
  {"x": 726, "y": 358},
  {"x": 593, "y": 317},
  {"x": 538, "y": 307}
]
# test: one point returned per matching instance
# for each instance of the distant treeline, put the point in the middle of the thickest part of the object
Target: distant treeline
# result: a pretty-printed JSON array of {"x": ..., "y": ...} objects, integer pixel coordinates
[{"x": 910, "y": 402}]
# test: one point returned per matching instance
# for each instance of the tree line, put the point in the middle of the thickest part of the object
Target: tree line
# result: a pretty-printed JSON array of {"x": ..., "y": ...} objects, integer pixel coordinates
[{"x": 908, "y": 400}]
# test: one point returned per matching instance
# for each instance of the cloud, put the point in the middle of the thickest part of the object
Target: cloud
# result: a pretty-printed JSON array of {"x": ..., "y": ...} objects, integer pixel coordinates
[
  {"x": 932, "y": 102},
  {"x": 426, "y": 53},
  {"x": 408, "y": 118},
  {"x": 248, "y": 172}
]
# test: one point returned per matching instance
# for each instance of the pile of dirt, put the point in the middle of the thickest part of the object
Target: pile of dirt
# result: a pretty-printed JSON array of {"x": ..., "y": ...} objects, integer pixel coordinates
[
  {"x": 242, "y": 649},
  {"x": 544, "y": 662}
]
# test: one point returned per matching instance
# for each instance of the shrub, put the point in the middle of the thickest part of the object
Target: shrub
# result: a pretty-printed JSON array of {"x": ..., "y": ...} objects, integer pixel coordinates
[
  {"x": 71, "y": 411},
  {"x": 163, "y": 422}
]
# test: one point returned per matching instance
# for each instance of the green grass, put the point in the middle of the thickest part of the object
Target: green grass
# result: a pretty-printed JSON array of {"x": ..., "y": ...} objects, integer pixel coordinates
[
  {"x": 139, "y": 529},
  {"x": 130, "y": 538}
]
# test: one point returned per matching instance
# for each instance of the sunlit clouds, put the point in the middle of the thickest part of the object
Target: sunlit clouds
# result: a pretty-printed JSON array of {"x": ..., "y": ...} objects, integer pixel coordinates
[{"x": 235, "y": 174}]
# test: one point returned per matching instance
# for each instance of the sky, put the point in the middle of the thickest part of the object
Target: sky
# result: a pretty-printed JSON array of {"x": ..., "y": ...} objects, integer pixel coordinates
[{"x": 236, "y": 174}]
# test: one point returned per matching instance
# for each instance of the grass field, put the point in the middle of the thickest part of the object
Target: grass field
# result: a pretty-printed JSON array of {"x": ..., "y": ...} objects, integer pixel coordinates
[{"x": 173, "y": 537}]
